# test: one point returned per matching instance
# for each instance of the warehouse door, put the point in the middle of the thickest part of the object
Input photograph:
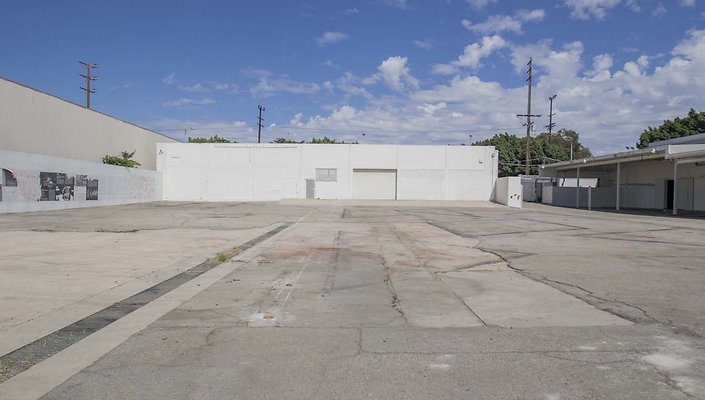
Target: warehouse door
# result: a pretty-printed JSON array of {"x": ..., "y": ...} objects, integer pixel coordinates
[{"x": 374, "y": 184}]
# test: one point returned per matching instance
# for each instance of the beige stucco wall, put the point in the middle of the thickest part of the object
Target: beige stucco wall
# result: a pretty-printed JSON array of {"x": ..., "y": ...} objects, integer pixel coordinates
[{"x": 35, "y": 122}]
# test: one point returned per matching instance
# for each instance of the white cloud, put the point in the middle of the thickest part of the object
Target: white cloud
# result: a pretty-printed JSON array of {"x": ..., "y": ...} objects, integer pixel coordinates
[
  {"x": 184, "y": 101},
  {"x": 472, "y": 55},
  {"x": 505, "y": 23},
  {"x": 270, "y": 84},
  {"x": 445, "y": 69},
  {"x": 430, "y": 108},
  {"x": 608, "y": 106},
  {"x": 687, "y": 3},
  {"x": 208, "y": 87},
  {"x": 331, "y": 38},
  {"x": 400, "y": 4},
  {"x": 170, "y": 79},
  {"x": 179, "y": 129},
  {"x": 394, "y": 72},
  {"x": 479, "y": 4},
  {"x": 586, "y": 9},
  {"x": 424, "y": 44},
  {"x": 601, "y": 65},
  {"x": 352, "y": 11},
  {"x": 659, "y": 10}
]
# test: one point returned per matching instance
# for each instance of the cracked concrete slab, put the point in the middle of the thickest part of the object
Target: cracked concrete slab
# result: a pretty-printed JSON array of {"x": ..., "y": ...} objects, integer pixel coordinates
[{"x": 408, "y": 301}]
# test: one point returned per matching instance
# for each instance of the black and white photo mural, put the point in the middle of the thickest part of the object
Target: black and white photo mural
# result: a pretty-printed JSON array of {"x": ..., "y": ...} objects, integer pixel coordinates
[
  {"x": 91, "y": 189},
  {"x": 56, "y": 186}
]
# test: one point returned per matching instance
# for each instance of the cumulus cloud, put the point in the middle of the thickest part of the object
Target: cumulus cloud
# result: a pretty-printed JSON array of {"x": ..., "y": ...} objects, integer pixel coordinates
[
  {"x": 479, "y": 4},
  {"x": 586, "y": 9},
  {"x": 505, "y": 23},
  {"x": 608, "y": 105},
  {"x": 170, "y": 79},
  {"x": 472, "y": 55},
  {"x": 395, "y": 74},
  {"x": 329, "y": 38},
  {"x": 424, "y": 44}
]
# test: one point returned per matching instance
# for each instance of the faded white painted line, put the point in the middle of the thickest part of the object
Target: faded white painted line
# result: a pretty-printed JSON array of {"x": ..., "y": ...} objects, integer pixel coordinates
[
  {"x": 52, "y": 372},
  {"x": 27, "y": 332},
  {"x": 293, "y": 284}
]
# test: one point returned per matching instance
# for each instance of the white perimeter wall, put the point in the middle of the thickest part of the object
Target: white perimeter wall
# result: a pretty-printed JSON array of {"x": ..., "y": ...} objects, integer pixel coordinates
[
  {"x": 245, "y": 172},
  {"x": 38, "y": 123},
  {"x": 116, "y": 185}
]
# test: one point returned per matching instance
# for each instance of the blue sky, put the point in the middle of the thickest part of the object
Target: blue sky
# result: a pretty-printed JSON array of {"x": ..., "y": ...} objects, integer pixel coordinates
[{"x": 402, "y": 71}]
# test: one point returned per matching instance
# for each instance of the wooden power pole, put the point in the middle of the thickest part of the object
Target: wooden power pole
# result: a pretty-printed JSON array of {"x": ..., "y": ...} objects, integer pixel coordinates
[
  {"x": 551, "y": 114},
  {"x": 259, "y": 124},
  {"x": 89, "y": 79},
  {"x": 528, "y": 116}
]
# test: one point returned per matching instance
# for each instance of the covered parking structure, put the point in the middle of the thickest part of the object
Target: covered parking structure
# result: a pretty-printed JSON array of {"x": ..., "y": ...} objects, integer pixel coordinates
[{"x": 669, "y": 175}]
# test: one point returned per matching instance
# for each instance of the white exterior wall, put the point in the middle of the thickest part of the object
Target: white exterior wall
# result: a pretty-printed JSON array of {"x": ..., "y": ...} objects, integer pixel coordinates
[
  {"x": 116, "y": 185},
  {"x": 509, "y": 191},
  {"x": 246, "y": 172},
  {"x": 38, "y": 123}
]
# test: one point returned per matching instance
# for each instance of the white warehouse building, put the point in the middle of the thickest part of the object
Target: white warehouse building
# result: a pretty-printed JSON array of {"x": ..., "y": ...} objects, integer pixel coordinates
[{"x": 270, "y": 172}]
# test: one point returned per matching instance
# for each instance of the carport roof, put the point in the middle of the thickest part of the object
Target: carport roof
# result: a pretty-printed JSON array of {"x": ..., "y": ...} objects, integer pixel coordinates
[{"x": 682, "y": 153}]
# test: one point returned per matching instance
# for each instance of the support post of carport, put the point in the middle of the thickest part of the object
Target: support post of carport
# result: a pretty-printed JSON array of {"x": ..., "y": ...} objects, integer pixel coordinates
[
  {"x": 577, "y": 189},
  {"x": 675, "y": 187},
  {"x": 619, "y": 184}
]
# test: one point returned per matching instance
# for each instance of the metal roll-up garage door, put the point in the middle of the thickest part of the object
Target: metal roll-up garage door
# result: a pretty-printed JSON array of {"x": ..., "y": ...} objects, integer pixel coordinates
[{"x": 374, "y": 184}]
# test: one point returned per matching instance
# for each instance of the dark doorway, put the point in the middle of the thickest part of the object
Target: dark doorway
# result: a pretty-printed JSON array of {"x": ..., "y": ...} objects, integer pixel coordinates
[{"x": 669, "y": 194}]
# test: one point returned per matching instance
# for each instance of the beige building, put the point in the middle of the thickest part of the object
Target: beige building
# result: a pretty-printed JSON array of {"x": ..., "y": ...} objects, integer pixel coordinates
[{"x": 39, "y": 123}]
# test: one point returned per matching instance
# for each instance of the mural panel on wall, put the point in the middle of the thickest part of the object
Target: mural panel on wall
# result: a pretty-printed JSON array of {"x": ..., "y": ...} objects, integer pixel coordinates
[
  {"x": 56, "y": 186},
  {"x": 91, "y": 189}
]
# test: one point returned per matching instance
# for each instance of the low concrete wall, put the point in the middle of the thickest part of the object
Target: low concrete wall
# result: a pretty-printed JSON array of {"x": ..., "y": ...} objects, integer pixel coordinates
[
  {"x": 34, "y": 182},
  {"x": 509, "y": 191}
]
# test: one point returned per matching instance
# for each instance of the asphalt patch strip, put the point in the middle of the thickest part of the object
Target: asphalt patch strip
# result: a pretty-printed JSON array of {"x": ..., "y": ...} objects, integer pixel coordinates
[{"x": 33, "y": 353}]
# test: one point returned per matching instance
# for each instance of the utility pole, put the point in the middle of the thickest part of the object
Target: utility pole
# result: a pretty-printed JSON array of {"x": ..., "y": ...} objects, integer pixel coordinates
[
  {"x": 550, "y": 116},
  {"x": 89, "y": 78},
  {"x": 528, "y": 116},
  {"x": 259, "y": 124}
]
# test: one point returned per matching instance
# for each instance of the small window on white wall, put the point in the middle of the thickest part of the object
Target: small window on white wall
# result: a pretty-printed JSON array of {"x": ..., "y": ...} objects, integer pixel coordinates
[{"x": 326, "y": 175}]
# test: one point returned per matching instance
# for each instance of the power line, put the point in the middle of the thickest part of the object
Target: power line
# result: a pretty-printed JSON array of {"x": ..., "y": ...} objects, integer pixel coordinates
[{"x": 89, "y": 79}]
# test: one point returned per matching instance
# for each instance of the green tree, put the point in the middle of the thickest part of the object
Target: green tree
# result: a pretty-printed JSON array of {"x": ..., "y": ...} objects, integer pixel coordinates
[
  {"x": 284, "y": 140},
  {"x": 545, "y": 149},
  {"x": 212, "y": 139},
  {"x": 327, "y": 140},
  {"x": 124, "y": 160},
  {"x": 691, "y": 124}
]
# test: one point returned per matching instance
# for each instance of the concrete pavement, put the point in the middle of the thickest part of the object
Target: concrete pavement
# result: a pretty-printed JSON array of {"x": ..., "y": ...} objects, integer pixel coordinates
[{"x": 391, "y": 301}]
